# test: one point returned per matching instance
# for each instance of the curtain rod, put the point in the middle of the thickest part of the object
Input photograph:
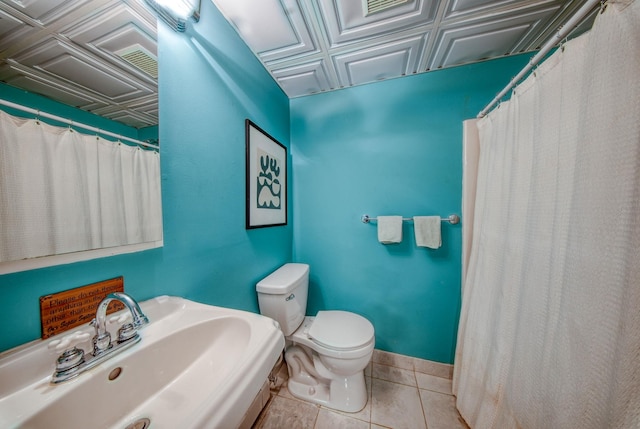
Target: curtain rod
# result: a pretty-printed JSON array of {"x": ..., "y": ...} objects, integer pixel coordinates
[
  {"x": 560, "y": 35},
  {"x": 74, "y": 123}
]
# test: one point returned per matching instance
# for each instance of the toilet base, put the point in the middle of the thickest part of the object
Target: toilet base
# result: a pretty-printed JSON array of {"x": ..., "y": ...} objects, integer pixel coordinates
[
  {"x": 329, "y": 397},
  {"x": 348, "y": 394}
]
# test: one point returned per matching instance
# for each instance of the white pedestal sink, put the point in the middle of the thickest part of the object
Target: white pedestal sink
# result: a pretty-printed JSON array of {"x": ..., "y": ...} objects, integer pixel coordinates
[{"x": 197, "y": 366}]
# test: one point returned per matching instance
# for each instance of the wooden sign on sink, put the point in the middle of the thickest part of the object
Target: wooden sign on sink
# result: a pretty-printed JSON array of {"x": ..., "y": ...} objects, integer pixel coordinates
[{"x": 66, "y": 310}]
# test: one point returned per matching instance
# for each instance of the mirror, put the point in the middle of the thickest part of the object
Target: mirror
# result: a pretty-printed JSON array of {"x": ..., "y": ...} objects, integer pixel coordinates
[{"x": 99, "y": 56}]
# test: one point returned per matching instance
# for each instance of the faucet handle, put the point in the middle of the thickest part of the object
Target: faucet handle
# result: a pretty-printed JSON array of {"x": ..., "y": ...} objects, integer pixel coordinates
[{"x": 69, "y": 341}]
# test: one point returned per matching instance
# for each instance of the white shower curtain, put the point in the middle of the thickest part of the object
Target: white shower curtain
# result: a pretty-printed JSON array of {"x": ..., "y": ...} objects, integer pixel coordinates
[
  {"x": 62, "y": 191},
  {"x": 549, "y": 334}
]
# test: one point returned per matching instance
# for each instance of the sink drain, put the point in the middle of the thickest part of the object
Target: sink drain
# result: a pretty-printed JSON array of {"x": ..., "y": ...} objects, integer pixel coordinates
[
  {"x": 139, "y": 424},
  {"x": 115, "y": 373}
]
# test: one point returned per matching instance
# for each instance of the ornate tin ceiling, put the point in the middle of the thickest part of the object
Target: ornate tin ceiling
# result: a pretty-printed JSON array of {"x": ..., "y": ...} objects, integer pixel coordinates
[
  {"x": 101, "y": 55},
  {"x": 311, "y": 46}
]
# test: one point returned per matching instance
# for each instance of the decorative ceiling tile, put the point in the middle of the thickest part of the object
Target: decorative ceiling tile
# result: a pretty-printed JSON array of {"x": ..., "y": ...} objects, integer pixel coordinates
[
  {"x": 109, "y": 24},
  {"x": 381, "y": 62},
  {"x": 126, "y": 36},
  {"x": 128, "y": 117},
  {"x": 481, "y": 40},
  {"x": 79, "y": 71},
  {"x": 9, "y": 24},
  {"x": 468, "y": 6},
  {"x": 347, "y": 21},
  {"x": 146, "y": 105},
  {"x": 357, "y": 42},
  {"x": 115, "y": 31},
  {"x": 306, "y": 78},
  {"x": 13, "y": 29},
  {"x": 60, "y": 59},
  {"x": 135, "y": 116},
  {"x": 52, "y": 88},
  {"x": 46, "y": 11},
  {"x": 273, "y": 29},
  {"x": 456, "y": 47}
]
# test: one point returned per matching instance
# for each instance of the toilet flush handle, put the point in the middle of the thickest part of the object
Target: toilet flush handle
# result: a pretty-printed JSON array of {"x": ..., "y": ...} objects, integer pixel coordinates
[{"x": 290, "y": 297}]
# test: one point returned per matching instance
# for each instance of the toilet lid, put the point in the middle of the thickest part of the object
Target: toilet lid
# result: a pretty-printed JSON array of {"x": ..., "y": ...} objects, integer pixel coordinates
[{"x": 341, "y": 330}]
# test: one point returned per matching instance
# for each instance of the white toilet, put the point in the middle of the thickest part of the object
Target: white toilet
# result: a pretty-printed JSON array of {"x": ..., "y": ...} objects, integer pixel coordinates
[{"x": 326, "y": 355}]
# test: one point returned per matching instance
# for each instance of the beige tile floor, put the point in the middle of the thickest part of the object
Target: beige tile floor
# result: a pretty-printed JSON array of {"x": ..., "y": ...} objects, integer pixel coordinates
[{"x": 404, "y": 392}]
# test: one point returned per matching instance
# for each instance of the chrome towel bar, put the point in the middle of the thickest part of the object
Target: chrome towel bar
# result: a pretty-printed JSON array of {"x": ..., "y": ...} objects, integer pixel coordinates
[{"x": 452, "y": 219}]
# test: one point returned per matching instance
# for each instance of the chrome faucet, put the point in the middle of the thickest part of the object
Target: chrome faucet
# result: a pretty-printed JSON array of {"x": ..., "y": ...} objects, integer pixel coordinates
[
  {"x": 73, "y": 361},
  {"x": 102, "y": 339}
]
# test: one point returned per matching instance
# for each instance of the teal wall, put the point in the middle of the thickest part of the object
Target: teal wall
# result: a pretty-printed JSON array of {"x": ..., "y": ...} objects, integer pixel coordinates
[
  {"x": 210, "y": 82},
  {"x": 149, "y": 133},
  {"x": 206, "y": 93},
  {"x": 393, "y": 147}
]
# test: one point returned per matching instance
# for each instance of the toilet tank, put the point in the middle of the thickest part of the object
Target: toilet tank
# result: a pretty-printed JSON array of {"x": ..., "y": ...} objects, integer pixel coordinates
[{"x": 282, "y": 296}]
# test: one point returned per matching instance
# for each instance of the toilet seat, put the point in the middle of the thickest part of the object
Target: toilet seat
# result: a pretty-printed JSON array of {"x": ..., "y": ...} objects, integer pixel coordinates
[
  {"x": 340, "y": 330},
  {"x": 301, "y": 336}
]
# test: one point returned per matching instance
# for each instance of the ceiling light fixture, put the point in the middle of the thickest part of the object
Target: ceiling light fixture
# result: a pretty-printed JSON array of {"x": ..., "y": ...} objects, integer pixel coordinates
[{"x": 176, "y": 13}]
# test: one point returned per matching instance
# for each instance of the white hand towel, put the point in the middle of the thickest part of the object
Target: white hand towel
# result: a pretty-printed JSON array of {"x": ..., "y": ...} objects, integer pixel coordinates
[
  {"x": 427, "y": 229},
  {"x": 389, "y": 229}
]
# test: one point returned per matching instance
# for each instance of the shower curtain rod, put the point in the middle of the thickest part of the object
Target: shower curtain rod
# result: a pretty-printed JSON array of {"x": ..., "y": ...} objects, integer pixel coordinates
[
  {"x": 39, "y": 113},
  {"x": 560, "y": 35}
]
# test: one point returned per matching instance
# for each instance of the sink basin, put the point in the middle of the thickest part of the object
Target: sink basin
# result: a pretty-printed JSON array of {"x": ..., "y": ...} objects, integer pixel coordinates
[{"x": 197, "y": 366}]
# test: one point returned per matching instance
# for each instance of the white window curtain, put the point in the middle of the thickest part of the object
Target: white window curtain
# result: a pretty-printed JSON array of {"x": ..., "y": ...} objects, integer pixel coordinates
[
  {"x": 62, "y": 191},
  {"x": 549, "y": 333}
]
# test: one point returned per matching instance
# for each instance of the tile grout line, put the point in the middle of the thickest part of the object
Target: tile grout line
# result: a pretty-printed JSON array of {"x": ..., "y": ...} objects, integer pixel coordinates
[
  {"x": 424, "y": 415},
  {"x": 424, "y": 412},
  {"x": 315, "y": 421}
]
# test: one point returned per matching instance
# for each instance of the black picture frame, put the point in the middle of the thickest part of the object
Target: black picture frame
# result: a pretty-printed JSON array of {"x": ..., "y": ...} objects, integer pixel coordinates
[{"x": 266, "y": 179}]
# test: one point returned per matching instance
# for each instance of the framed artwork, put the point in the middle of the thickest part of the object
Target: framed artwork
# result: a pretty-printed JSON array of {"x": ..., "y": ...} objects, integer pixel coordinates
[{"x": 266, "y": 179}]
